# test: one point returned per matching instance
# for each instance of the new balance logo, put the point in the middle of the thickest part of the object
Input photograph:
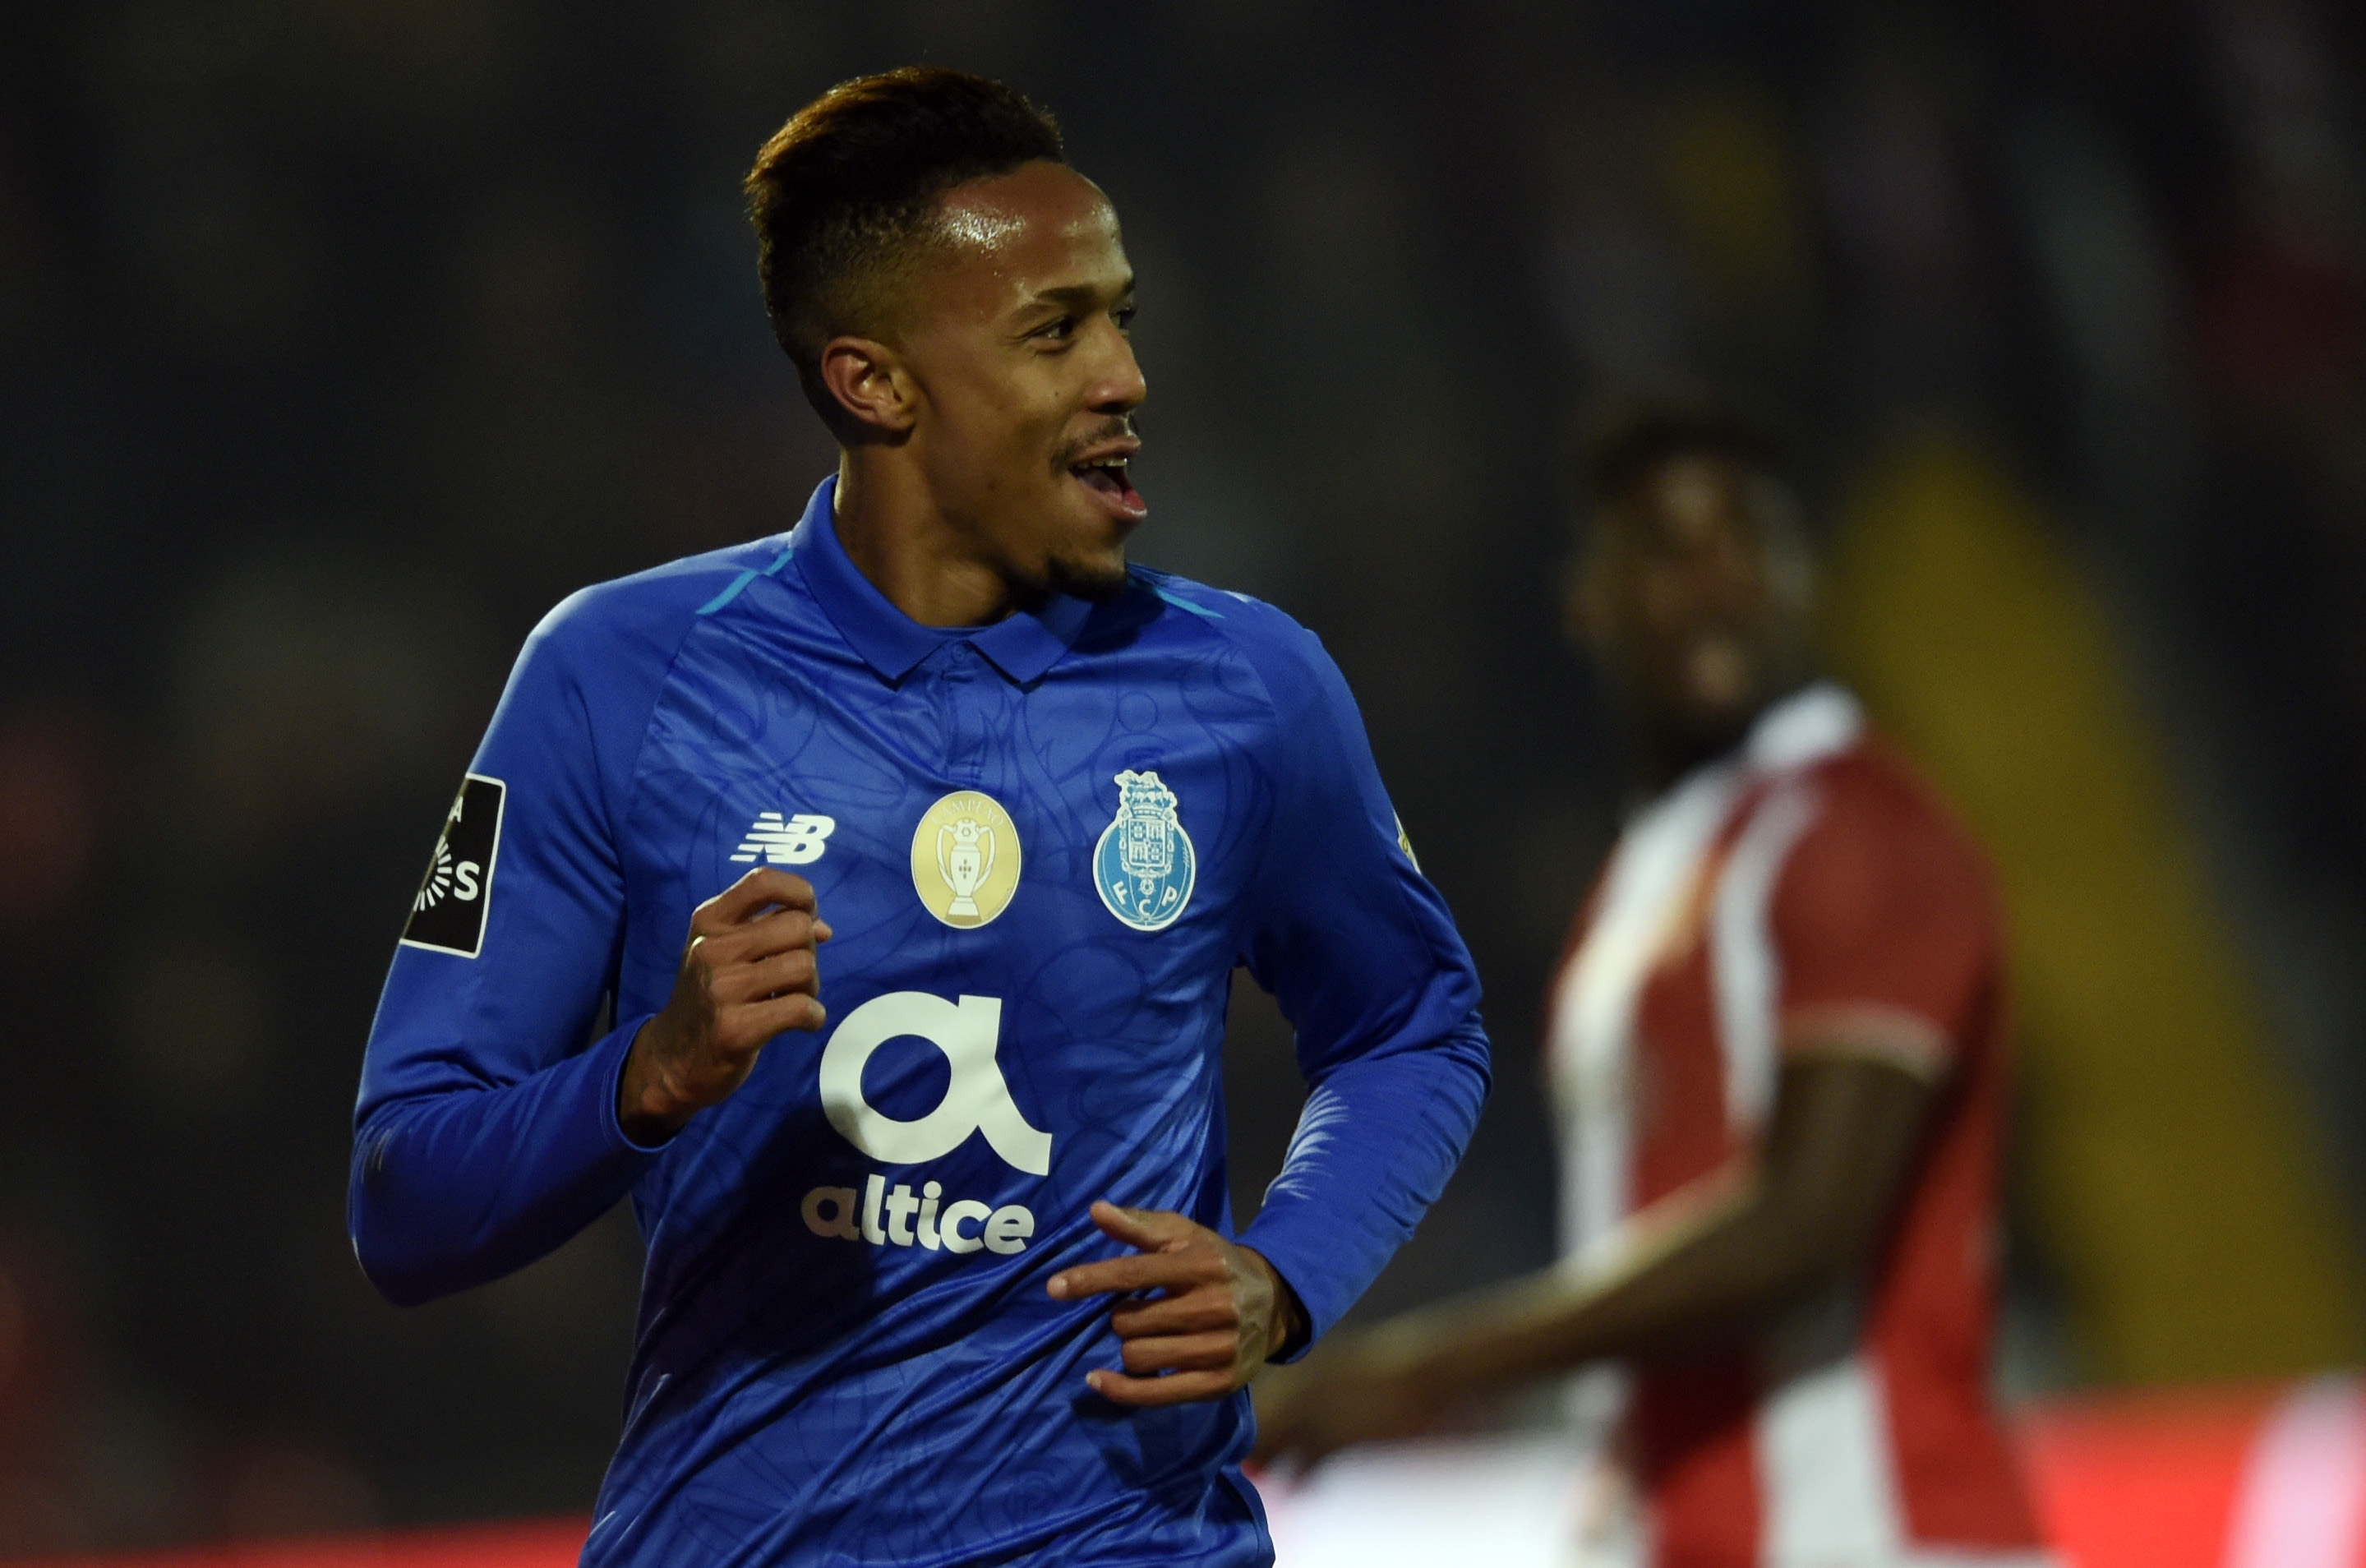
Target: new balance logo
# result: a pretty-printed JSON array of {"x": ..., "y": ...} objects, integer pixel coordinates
[{"x": 796, "y": 841}]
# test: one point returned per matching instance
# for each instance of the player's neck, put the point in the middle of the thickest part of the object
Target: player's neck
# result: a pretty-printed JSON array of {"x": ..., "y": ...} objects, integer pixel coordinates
[
  {"x": 1662, "y": 756},
  {"x": 1665, "y": 749},
  {"x": 900, "y": 540}
]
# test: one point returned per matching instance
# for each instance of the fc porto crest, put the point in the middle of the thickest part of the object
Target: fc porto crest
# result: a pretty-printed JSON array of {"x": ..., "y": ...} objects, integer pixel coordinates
[{"x": 1144, "y": 866}]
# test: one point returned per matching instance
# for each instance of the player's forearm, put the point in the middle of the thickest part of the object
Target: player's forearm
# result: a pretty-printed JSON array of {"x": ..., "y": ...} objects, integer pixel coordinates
[
  {"x": 454, "y": 1187},
  {"x": 1374, "y": 1147},
  {"x": 1718, "y": 1259},
  {"x": 1717, "y": 1268}
]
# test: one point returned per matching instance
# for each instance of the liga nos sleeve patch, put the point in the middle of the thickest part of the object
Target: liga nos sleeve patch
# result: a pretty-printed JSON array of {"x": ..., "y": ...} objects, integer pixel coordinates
[{"x": 448, "y": 914}]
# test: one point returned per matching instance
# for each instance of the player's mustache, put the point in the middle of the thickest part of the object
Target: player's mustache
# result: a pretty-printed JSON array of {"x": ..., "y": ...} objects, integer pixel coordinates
[{"x": 1116, "y": 429}]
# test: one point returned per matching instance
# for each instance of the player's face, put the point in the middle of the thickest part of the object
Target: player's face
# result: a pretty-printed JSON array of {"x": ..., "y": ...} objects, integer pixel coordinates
[
  {"x": 1027, "y": 382},
  {"x": 1692, "y": 610}
]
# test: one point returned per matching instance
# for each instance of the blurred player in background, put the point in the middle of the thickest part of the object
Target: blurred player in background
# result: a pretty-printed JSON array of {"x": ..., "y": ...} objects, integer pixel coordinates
[
  {"x": 1777, "y": 1051},
  {"x": 1038, "y": 804}
]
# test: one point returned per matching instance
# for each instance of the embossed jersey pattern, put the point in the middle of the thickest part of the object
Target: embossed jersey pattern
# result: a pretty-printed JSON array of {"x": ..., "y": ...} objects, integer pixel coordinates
[{"x": 1043, "y": 847}]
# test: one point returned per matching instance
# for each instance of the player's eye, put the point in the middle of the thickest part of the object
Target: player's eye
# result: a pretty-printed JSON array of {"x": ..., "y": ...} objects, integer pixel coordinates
[
  {"x": 1059, "y": 329},
  {"x": 1124, "y": 316}
]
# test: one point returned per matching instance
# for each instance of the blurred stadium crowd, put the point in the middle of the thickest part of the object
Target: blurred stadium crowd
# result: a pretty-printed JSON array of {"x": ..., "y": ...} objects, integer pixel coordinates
[{"x": 341, "y": 338}]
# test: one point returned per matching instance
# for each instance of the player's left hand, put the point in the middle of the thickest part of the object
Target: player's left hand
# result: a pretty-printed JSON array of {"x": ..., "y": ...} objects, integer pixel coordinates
[{"x": 1197, "y": 1316}]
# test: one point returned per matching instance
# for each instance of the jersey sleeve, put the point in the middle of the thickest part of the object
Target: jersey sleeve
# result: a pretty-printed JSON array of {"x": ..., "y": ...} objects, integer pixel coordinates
[
  {"x": 486, "y": 1131},
  {"x": 1886, "y": 931},
  {"x": 1359, "y": 951}
]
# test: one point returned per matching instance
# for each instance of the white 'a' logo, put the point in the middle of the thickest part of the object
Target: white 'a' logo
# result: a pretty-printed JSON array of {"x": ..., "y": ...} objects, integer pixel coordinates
[{"x": 976, "y": 1100}]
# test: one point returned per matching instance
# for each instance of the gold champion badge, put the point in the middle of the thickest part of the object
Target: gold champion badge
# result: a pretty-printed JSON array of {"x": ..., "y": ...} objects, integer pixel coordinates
[{"x": 965, "y": 859}]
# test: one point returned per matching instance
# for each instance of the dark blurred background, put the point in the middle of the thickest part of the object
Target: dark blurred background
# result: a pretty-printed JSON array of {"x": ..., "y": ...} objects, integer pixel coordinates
[{"x": 341, "y": 338}]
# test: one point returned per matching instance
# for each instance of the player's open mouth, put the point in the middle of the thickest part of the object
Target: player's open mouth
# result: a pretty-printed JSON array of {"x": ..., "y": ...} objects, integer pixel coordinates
[{"x": 1106, "y": 476}]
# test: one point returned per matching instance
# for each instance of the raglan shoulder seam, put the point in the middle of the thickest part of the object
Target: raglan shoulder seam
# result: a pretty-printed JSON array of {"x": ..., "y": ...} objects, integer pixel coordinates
[
  {"x": 1228, "y": 616},
  {"x": 1225, "y": 626},
  {"x": 1257, "y": 631},
  {"x": 733, "y": 564}
]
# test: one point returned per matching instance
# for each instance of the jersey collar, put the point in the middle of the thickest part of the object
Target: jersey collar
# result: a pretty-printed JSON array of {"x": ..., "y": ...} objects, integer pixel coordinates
[
  {"x": 1022, "y": 646},
  {"x": 1817, "y": 721}
]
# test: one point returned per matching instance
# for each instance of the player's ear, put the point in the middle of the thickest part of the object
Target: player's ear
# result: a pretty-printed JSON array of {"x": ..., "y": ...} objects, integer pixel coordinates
[{"x": 870, "y": 382}]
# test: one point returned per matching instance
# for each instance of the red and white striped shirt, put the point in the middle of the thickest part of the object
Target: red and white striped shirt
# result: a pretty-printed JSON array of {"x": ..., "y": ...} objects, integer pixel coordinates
[{"x": 1803, "y": 893}]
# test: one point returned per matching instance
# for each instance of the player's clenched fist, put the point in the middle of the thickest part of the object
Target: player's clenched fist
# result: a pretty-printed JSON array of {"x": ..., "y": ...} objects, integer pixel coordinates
[
  {"x": 749, "y": 971},
  {"x": 1197, "y": 1314}
]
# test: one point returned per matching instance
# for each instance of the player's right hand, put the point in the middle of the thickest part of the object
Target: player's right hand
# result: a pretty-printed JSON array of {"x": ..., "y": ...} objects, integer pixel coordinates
[
  {"x": 1349, "y": 1393},
  {"x": 749, "y": 971}
]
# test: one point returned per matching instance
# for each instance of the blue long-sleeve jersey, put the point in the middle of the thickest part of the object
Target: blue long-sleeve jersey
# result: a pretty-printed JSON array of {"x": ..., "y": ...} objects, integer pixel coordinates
[{"x": 1044, "y": 845}]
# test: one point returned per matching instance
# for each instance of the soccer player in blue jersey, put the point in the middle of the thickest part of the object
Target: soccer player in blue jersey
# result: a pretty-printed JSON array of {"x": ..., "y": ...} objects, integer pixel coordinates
[{"x": 944, "y": 1273}]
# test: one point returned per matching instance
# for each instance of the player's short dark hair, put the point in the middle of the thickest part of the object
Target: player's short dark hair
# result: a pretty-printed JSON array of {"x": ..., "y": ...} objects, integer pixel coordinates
[
  {"x": 842, "y": 194},
  {"x": 1626, "y": 447}
]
